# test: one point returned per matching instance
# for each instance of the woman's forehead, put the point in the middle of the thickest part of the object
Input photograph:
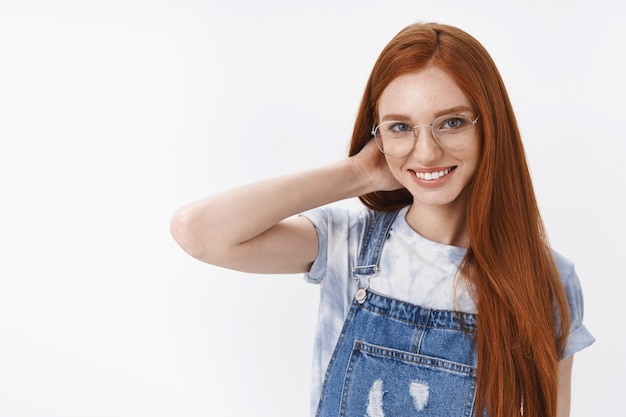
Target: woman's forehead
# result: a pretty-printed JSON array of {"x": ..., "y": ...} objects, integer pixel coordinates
[{"x": 425, "y": 93}]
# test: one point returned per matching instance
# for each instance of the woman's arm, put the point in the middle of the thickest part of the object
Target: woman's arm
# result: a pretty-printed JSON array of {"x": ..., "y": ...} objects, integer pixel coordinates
[
  {"x": 251, "y": 228},
  {"x": 565, "y": 384}
]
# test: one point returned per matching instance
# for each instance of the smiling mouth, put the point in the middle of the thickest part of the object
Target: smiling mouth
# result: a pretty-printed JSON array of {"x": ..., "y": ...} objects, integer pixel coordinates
[{"x": 435, "y": 175}]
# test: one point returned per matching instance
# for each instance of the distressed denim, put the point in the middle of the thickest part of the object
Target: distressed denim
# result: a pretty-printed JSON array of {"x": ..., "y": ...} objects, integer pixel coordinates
[{"x": 398, "y": 359}]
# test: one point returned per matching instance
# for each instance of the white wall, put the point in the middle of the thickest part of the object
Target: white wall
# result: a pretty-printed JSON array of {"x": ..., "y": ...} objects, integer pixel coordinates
[{"x": 114, "y": 113}]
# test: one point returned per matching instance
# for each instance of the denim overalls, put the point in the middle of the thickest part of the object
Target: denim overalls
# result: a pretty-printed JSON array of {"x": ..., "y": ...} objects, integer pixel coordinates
[{"x": 396, "y": 359}]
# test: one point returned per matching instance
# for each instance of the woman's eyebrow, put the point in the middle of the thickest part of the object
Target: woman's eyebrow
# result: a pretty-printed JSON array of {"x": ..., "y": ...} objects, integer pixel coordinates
[
  {"x": 398, "y": 117},
  {"x": 455, "y": 109},
  {"x": 450, "y": 110}
]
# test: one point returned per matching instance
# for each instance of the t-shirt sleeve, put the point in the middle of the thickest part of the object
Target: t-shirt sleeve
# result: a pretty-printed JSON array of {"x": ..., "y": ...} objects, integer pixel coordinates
[
  {"x": 339, "y": 232},
  {"x": 579, "y": 337},
  {"x": 321, "y": 219}
]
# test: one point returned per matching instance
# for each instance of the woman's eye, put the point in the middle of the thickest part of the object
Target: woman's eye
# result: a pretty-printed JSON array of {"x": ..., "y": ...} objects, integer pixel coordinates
[
  {"x": 399, "y": 127},
  {"x": 452, "y": 123}
]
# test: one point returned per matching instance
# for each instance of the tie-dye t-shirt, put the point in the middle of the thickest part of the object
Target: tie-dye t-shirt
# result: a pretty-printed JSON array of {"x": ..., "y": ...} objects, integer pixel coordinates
[{"x": 412, "y": 269}]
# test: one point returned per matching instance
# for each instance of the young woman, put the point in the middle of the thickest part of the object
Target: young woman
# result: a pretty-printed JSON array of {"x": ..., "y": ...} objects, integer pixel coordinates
[{"x": 441, "y": 297}]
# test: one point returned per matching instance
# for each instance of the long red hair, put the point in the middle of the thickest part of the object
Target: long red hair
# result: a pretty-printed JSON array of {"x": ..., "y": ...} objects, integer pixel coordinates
[{"x": 523, "y": 315}]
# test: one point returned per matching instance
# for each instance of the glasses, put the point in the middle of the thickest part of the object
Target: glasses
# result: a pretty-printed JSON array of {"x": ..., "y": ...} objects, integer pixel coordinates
[{"x": 453, "y": 132}]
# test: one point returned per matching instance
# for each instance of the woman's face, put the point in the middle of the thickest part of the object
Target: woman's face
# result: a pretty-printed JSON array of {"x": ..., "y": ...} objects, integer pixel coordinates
[{"x": 433, "y": 175}]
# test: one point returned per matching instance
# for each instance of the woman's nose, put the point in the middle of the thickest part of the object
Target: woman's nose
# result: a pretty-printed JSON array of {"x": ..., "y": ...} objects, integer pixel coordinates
[{"x": 426, "y": 147}]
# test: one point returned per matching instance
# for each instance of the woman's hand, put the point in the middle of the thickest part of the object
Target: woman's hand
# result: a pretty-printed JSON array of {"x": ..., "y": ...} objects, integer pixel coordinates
[{"x": 370, "y": 163}]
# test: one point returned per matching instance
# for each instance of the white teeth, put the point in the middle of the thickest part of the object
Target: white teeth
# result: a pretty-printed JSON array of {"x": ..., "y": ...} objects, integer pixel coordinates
[{"x": 428, "y": 176}]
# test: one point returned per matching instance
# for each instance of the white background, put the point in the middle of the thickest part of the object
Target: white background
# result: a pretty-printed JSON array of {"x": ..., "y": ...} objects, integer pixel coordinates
[{"x": 115, "y": 113}]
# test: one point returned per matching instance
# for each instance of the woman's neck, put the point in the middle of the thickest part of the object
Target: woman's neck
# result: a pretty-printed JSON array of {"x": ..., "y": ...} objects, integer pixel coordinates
[{"x": 442, "y": 224}]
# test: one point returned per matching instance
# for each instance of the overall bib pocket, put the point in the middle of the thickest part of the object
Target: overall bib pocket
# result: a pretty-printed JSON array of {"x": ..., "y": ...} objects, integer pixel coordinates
[{"x": 380, "y": 381}]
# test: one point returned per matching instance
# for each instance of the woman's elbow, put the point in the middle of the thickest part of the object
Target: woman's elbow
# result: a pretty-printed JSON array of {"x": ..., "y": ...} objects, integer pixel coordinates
[{"x": 185, "y": 232}]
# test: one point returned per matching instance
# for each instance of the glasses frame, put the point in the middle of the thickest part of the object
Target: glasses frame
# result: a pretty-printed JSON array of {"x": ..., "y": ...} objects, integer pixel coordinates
[{"x": 375, "y": 133}]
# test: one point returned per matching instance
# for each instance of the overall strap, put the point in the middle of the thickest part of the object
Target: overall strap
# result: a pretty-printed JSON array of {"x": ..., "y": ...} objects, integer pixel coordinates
[{"x": 372, "y": 244}]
